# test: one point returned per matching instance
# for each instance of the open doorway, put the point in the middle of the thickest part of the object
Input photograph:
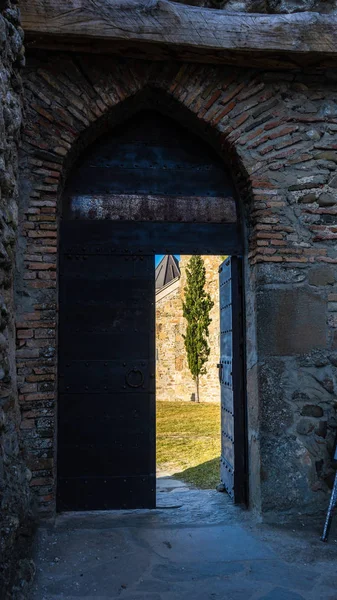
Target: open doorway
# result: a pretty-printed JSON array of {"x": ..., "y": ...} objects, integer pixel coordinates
[
  {"x": 187, "y": 375},
  {"x": 199, "y": 373}
]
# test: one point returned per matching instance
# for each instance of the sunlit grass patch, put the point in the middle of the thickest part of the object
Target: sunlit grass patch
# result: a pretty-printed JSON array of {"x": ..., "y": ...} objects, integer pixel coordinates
[{"x": 188, "y": 441}]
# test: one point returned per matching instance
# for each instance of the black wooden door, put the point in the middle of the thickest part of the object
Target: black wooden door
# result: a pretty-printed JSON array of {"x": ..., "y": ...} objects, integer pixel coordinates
[
  {"x": 112, "y": 227},
  {"x": 106, "y": 414},
  {"x": 233, "y": 422}
]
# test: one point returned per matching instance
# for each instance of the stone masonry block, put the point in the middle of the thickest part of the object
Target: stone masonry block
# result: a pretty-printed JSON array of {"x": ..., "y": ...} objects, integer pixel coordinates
[
  {"x": 322, "y": 276},
  {"x": 290, "y": 322}
]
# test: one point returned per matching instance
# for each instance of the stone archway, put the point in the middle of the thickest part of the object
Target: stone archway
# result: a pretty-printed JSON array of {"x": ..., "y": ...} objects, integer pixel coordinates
[{"x": 266, "y": 141}]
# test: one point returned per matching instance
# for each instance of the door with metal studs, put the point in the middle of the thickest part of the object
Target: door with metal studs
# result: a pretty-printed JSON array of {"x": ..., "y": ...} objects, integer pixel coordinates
[
  {"x": 133, "y": 194},
  {"x": 233, "y": 439},
  {"x": 106, "y": 454}
]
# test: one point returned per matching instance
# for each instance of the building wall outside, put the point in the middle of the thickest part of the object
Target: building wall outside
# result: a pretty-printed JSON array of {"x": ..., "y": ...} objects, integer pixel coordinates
[
  {"x": 173, "y": 377},
  {"x": 278, "y": 132},
  {"x": 14, "y": 476}
]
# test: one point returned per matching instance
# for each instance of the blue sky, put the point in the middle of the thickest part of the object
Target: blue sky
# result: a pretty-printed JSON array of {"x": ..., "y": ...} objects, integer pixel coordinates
[{"x": 160, "y": 256}]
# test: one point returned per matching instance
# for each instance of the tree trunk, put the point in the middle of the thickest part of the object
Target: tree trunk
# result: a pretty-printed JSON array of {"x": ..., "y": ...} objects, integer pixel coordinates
[{"x": 197, "y": 397}]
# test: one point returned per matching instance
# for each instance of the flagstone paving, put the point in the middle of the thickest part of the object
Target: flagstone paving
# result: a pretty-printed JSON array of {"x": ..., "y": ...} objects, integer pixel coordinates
[{"x": 194, "y": 546}]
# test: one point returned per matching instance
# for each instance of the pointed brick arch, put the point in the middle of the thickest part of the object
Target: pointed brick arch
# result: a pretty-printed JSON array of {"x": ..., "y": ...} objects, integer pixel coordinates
[{"x": 70, "y": 101}]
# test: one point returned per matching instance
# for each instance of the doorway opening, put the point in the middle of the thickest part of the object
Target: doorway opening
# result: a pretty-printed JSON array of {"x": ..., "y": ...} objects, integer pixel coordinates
[
  {"x": 148, "y": 187},
  {"x": 188, "y": 415}
]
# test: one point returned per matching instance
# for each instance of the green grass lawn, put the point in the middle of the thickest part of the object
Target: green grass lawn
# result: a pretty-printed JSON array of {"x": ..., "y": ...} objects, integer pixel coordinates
[{"x": 188, "y": 442}]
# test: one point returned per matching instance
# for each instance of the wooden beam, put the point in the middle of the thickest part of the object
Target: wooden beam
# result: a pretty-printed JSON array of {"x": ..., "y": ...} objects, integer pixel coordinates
[
  {"x": 132, "y": 207},
  {"x": 150, "y": 238},
  {"x": 161, "y": 29}
]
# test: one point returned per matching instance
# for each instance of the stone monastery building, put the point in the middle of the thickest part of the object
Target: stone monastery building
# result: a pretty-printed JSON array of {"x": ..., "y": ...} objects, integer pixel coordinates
[
  {"x": 173, "y": 377},
  {"x": 134, "y": 128}
]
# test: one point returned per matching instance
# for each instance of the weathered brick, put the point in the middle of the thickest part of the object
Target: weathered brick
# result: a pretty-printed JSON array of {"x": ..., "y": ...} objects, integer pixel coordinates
[
  {"x": 28, "y": 387},
  {"x": 42, "y": 234},
  {"x": 48, "y": 226},
  {"x": 264, "y": 258},
  {"x": 43, "y": 284},
  {"x": 297, "y": 259},
  {"x": 269, "y": 236},
  {"x": 27, "y": 353},
  {"x": 278, "y": 242},
  {"x": 47, "y": 275},
  {"x": 41, "y": 481},
  {"x": 39, "y": 396},
  {"x": 24, "y": 333},
  {"x": 40, "y": 267},
  {"x": 223, "y": 113},
  {"x": 38, "y": 378},
  {"x": 27, "y": 424},
  {"x": 44, "y": 333}
]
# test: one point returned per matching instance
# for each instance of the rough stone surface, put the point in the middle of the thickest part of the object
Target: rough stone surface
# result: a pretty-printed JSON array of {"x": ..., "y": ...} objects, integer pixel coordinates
[
  {"x": 291, "y": 322},
  {"x": 261, "y": 123},
  {"x": 322, "y": 276},
  {"x": 312, "y": 410},
  {"x": 305, "y": 426},
  {"x": 203, "y": 549},
  {"x": 327, "y": 199},
  {"x": 14, "y": 476},
  {"x": 173, "y": 377}
]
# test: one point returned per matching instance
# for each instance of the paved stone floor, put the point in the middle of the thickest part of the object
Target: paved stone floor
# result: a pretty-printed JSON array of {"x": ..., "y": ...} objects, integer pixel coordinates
[{"x": 195, "y": 546}]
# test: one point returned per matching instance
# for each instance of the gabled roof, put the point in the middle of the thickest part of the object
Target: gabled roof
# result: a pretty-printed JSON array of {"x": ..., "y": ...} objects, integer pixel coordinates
[{"x": 166, "y": 271}]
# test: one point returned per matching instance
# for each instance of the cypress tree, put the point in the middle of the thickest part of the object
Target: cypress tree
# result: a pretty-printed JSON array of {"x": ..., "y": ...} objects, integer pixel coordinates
[{"x": 196, "y": 310}]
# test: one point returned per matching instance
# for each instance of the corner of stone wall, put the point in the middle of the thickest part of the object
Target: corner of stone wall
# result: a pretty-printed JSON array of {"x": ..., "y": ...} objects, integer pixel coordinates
[{"x": 16, "y": 520}]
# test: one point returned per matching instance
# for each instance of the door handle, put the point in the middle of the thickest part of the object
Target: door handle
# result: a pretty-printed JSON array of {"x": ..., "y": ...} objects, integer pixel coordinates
[
  {"x": 134, "y": 378},
  {"x": 220, "y": 367}
]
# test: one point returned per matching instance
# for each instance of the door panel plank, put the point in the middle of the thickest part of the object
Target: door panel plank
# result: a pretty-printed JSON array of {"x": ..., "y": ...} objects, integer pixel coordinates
[
  {"x": 106, "y": 413},
  {"x": 233, "y": 422},
  {"x": 102, "y": 492}
]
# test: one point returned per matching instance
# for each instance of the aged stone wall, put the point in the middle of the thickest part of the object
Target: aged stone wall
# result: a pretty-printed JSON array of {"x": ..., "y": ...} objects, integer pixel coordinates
[
  {"x": 278, "y": 133},
  {"x": 173, "y": 378},
  {"x": 14, "y": 477}
]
